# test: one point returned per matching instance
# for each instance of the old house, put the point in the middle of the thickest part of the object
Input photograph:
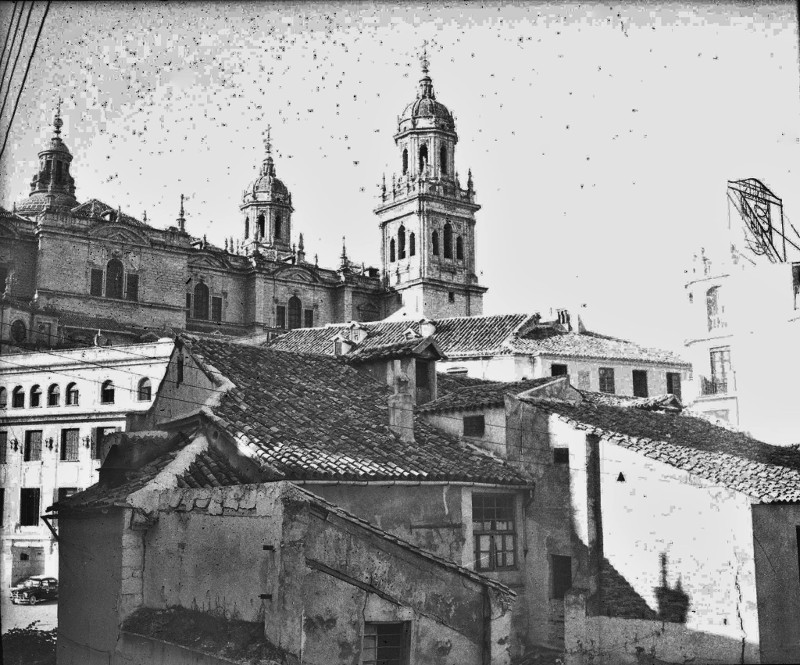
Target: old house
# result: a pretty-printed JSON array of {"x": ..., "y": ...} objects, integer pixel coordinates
[
  {"x": 56, "y": 407},
  {"x": 510, "y": 347},
  {"x": 129, "y": 277},
  {"x": 652, "y": 533},
  {"x": 239, "y": 429}
]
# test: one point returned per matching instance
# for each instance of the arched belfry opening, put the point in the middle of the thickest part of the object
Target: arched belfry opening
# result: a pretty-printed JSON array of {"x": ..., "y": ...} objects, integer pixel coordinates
[
  {"x": 423, "y": 158},
  {"x": 401, "y": 242},
  {"x": 260, "y": 231},
  {"x": 405, "y": 161},
  {"x": 443, "y": 159}
]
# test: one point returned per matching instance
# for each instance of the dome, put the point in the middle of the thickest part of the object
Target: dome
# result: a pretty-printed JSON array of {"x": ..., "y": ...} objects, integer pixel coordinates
[
  {"x": 426, "y": 108},
  {"x": 269, "y": 184}
]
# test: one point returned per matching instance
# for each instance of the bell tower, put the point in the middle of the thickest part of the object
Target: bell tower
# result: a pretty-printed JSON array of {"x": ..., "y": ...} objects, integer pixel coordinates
[
  {"x": 267, "y": 210},
  {"x": 427, "y": 219}
]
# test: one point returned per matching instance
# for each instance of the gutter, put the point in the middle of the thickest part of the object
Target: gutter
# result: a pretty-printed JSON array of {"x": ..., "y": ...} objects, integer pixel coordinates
[{"x": 412, "y": 483}]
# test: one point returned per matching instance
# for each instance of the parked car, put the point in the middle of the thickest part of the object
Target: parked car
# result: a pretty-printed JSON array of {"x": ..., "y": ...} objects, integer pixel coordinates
[{"x": 36, "y": 589}]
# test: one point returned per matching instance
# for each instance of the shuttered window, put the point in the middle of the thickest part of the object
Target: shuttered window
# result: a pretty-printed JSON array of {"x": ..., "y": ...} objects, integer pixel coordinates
[
  {"x": 69, "y": 445},
  {"x": 33, "y": 446}
]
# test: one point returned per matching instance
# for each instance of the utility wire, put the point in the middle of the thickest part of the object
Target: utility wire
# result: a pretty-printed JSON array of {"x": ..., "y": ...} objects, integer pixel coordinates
[
  {"x": 11, "y": 49},
  {"x": 8, "y": 32},
  {"x": 25, "y": 77},
  {"x": 16, "y": 60}
]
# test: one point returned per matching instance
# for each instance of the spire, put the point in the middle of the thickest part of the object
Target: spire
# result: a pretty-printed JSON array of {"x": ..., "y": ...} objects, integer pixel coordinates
[
  {"x": 344, "y": 261},
  {"x": 268, "y": 165},
  {"x": 57, "y": 121},
  {"x": 181, "y": 218},
  {"x": 425, "y": 83},
  {"x": 301, "y": 250}
]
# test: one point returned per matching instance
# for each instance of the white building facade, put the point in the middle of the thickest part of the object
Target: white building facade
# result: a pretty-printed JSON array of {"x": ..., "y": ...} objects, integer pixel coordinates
[{"x": 55, "y": 409}]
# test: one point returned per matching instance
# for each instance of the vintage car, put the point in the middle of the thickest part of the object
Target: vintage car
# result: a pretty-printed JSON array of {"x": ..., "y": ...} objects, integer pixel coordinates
[{"x": 36, "y": 589}]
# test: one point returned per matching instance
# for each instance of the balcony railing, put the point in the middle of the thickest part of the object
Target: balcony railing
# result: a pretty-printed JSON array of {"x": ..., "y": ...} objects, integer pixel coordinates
[{"x": 714, "y": 386}]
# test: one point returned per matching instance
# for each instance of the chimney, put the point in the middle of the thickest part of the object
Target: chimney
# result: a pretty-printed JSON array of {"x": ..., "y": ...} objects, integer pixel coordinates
[
  {"x": 427, "y": 328},
  {"x": 342, "y": 346},
  {"x": 401, "y": 410}
]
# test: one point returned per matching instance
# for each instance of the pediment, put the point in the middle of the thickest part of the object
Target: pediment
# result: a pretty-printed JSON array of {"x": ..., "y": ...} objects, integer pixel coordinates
[
  {"x": 115, "y": 233},
  {"x": 208, "y": 261},
  {"x": 296, "y": 274}
]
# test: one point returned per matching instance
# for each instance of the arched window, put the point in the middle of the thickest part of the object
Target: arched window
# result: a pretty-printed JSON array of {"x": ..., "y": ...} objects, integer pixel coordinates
[
  {"x": 201, "y": 301},
  {"x": 443, "y": 159},
  {"x": 391, "y": 250},
  {"x": 53, "y": 395},
  {"x": 18, "y": 398},
  {"x": 459, "y": 249},
  {"x": 3, "y": 398},
  {"x": 246, "y": 228},
  {"x": 107, "y": 392},
  {"x": 401, "y": 242},
  {"x": 405, "y": 161},
  {"x": 114, "y": 276},
  {"x": 423, "y": 158},
  {"x": 412, "y": 245},
  {"x": 36, "y": 397},
  {"x": 278, "y": 226},
  {"x": 435, "y": 243},
  {"x": 260, "y": 227},
  {"x": 448, "y": 241},
  {"x": 72, "y": 395},
  {"x": 713, "y": 308},
  {"x": 295, "y": 311},
  {"x": 145, "y": 392},
  {"x": 18, "y": 332}
]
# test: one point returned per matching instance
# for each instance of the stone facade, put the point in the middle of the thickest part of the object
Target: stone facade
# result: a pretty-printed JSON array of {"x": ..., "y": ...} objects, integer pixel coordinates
[{"x": 128, "y": 278}]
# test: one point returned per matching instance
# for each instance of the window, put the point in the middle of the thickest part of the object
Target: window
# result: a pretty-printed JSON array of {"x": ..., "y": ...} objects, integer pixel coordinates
[
  {"x": 69, "y": 445},
  {"x": 44, "y": 333},
  {"x": 385, "y": 644},
  {"x": 557, "y": 369},
  {"x": 474, "y": 425},
  {"x": 32, "y": 451},
  {"x": 98, "y": 438},
  {"x": 435, "y": 243},
  {"x": 308, "y": 318},
  {"x": 713, "y": 309},
  {"x": 18, "y": 398},
  {"x": 451, "y": 296},
  {"x": 448, "y": 241},
  {"x": 561, "y": 575},
  {"x": 674, "y": 384},
  {"x": 607, "y": 380},
  {"x": 423, "y": 158},
  {"x": 640, "y": 383},
  {"x": 2, "y": 505},
  {"x": 201, "y": 301},
  {"x": 295, "y": 309},
  {"x": 494, "y": 531},
  {"x": 29, "y": 506},
  {"x": 188, "y": 303},
  {"x": 114, "y": 275},
  {"x": 720, "y": 369},
  {"x": 278, "y": 226},
  {"x": 216, "y": 309},
  {"x": 459, "y": 249},
  {"x": 560, "y": 455},
  {"x": 423, "y": 379},
  {"x": 53, "y": 395},
  {"x": 96, "y": 282},
  {"x": 107, "y": 392},
  {"x": 72, "y": 395},
  {"x": 280, "y": 316},
  {"x": 3, "y": 398},
  {"x": 3, "y": 279},
  {"x": 260, "y": 228},
  {"x": 401, "y": 242},
  {"x": 443, "y": 159},
  {"x": 144, "y": 392},
  {"x": 19, "y": 333},
  {"x": 405, "y": 161},
  {"x": 36, "y": 397},
  {"x": 412, "y": 245},
  {"x": 391, "y": 251},
  {"x": 132, "y": 291},
  {"x": 3, "y": 447},
  {"x": 246, "y": 228}
]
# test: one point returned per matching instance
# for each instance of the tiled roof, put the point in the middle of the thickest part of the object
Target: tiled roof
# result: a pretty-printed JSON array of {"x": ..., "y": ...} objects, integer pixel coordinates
[
  {"x": 402, "y": 349},
  {"x": 459, "y": 336},
  {"x": 96, "y": 208},
  {"x": 653, "y": 403},
  {"x": 311, "y": 417},
  {"x": 485, "y": 394},
  {"x": 552, "y": 342},
  {"x": 210, "y": 469},
  {"x": 762, "y": 471}
]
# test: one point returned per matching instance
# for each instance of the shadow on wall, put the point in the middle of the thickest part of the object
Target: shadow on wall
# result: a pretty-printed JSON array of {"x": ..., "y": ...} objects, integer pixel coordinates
[{"x": 673, "y": 603}]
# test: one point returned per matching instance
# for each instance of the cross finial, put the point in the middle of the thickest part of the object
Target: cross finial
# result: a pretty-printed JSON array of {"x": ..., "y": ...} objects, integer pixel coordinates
[
  {"x": 181, "y": 205},
  {"x": 268, "y": 141},
  {"x": 425, "y": 62},
  {"x": 57, "y": 121}
]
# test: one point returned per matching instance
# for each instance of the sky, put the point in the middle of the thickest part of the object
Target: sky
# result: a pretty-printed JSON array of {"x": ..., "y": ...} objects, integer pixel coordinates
[{"x": 600, "y": 136}]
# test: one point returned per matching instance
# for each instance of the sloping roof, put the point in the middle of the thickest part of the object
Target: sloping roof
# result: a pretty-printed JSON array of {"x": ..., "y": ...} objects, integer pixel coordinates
[
  {"x": 654, "y": 402},
  {"x": 485, "y": 394},
  {"x": 552, "y": 342},
  {"x": 762, "y": 471},
  {"x": 458, "y": 336},
  {"x": 210, "y": 469},
  {"x": 312, "y": 417},
  {"x": 96, "y": 208},
  {"x": 404, "y": 349}
]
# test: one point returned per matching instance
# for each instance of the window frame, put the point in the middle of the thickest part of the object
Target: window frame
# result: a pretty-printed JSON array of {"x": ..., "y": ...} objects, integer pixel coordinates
[
  {"x": 144, "y": 384},
  {"x": 53, "y": 391},
  {"x": 637, "y": 382},
  {"x": 604, "y": 374},
  {"x": 3, "y": 447},
  {"x": 96, "y": 282},
  {"x": 473, "y": 425},
  {"x": 493, "y": 532},
  {"x": 107, "y": 392},
  {"x": 294, "y": 311},
  {"x": 72, "y": 395},
  {"x": 70, "y": 444},
  {"x": 404, "y": 633},
  {"x": 553, "y": 371},
  {"x": 25, "y": 510},
  {"x": 32, "y": 448},
  {"x": 201, "y": 299},
  {"x": 18, "y": 392},
  {"x": 115, "y": 282},
  {"x": 3, "y": 397},
  {"x": 35, "y": 397},
  {"x": 672, "y": 378}
]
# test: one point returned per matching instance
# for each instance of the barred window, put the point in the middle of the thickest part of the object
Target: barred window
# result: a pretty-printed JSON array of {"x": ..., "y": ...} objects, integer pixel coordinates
[
  {"x": 69, "y": 445},
  {"x": 607, "y": 380},
  {"x": 494, "y": 531},
  {"x": 385, "y": 644}
]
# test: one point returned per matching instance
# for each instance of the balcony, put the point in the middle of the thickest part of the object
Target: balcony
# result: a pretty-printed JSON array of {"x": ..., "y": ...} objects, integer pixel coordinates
[{"x": 716, "y": 386}]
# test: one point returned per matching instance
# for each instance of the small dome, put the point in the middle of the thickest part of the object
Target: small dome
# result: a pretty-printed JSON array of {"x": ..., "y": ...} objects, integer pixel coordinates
[
  {"x": 268, "y": 183},
  {"x": 425, "y": 107}
]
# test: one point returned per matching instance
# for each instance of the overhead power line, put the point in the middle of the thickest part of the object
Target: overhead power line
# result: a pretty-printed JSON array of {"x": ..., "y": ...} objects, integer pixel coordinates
[
  {"x": 8, "y": 32},
  {"x": 16, "y": 60},
  {"x": 13, "y": 42}
]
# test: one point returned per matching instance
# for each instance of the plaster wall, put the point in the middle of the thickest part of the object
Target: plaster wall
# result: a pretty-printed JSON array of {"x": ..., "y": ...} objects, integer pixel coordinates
[
  {"x": 494, "y": 437},
  {"x": 775, "y": 541},
  {"x": 133, "y": 649},
  {"x": 90, "y": 579},
  {"x": 176, "y": 399}
]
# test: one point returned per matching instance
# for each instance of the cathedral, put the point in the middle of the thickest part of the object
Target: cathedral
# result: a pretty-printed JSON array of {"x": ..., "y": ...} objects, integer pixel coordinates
[{"x": 75, "y": 272}]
